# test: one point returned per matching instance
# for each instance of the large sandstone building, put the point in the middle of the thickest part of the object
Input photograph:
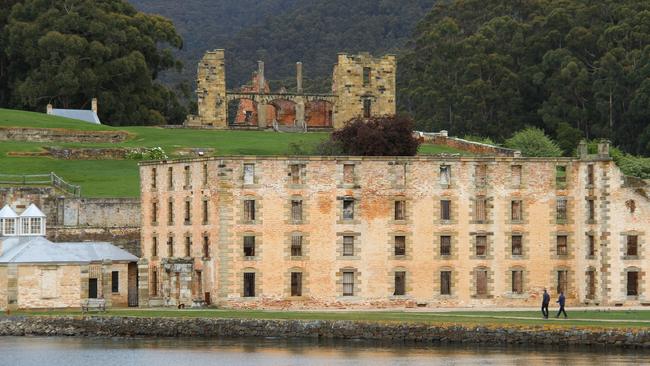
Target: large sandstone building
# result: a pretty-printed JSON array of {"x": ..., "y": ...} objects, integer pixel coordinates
[
  {"x": 385, "y": 231},
  {"x": 362, "y": 86}
]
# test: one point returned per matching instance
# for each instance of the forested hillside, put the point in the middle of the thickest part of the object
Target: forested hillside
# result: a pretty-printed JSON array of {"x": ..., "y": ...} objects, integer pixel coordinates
[
  {"x": 576, "y": 68},
  {"x": 281, "y": 32}
]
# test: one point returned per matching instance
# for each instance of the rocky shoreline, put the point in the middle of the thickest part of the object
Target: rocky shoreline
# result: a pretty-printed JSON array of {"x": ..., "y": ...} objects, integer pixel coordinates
[{"x": 110, "y": 326}]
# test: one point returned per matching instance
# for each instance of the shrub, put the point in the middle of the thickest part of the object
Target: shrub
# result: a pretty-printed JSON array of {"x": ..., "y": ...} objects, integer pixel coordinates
[
  {"x": 533, "y": 142},
  {"x": 379, "y": 136}
]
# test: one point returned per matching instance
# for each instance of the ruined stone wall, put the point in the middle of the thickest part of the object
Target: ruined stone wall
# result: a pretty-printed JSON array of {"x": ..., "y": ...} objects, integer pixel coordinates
[
  {"x": 464, "y": 145},
  {"x": 211, "y": 92},
  {"x": 127, "y": 238},
  {"x": 375, "y": 186},
  {"x": 352, "y": 88},
  {"x": 60, "y": 135}
]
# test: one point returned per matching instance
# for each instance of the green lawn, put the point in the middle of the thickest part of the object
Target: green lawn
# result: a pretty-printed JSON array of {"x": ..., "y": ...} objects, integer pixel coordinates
[
  {"x": 119, "y": 178},
  {"x": 589, "y": 318}
]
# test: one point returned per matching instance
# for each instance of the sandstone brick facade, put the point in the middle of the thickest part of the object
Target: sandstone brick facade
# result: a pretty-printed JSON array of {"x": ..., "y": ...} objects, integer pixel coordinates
[{"x": 380, "y": 231}]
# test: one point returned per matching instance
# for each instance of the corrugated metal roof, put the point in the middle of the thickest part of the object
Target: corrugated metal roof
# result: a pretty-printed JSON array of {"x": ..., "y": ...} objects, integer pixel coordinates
[
  {"x": 7, "y": 213},
  {"x": 80, "y": 114},
  {"x": 41, "y": 250}
]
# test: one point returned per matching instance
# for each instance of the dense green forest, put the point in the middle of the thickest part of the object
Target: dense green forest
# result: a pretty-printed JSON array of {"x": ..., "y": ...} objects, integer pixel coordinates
[
  {"x": 576, "y": 69},
  {"x": 281, "y": 32},
  {"x": 67, "y": 52}
]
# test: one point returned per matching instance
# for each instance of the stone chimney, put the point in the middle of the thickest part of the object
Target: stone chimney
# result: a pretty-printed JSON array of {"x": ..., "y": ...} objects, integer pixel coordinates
[
  {"x": 299, "y": 77},
  {"x": 49, "y": 109},
  {"x": 260, "y": 77},
  {"x": 603, "y": 149},
  {"x": 583, "y": 150},
  {"x": 93, "y": 105}
]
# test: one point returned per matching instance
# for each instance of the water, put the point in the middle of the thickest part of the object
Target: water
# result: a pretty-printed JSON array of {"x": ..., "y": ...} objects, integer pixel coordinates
[{"x": 43, "y": 351}]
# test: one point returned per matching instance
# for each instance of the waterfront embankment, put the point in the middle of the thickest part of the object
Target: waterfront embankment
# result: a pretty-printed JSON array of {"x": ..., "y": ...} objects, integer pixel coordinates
[{"x": 115, "y": 326}]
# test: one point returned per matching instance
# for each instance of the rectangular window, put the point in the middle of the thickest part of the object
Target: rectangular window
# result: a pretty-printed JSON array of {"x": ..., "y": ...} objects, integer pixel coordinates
[
  {"x": 154, "y": 283},
  {"x": 348, "y": 283},
  {"x": 560, "y": 175},
  {"x": 562, "y": 245},
  {"x": 154, "y": 213},
  {"x": 348, "y": 245},
  {"x": 400, "y": 245},
  {"x": 296, "y": 210},
  {"x": 591, "y": 284},
  {"x": 170, "y": 212},
  {"x": 296, "y": 284},
  {"x": 632, "y": 246},
  {"x": 249, "y": 246},
  {"x": 295, "y": 173},
  {"x": 115, "y": 281},
  {"x": 367, "y": 108},
  {"x": 517, "y": 282},
  {"x": 481, "y": 209},
  {"x": 516, "y": 210},
  {"x": 445, "y": 175},
  {"x": 591, "y": 245},
  {"x": 515, "y": 172},
  {"x": 481, "y": 175},
  {"x": 249, "y": 284},
  {"x": 153, "y": 177},
  {"x": 249, "y": 173},
  {"x": 445, "y": 210},
  {"x": 400, "y": 210},
  {"x": 205, "y": 211},
  {"x": 206, "y": 246},
  {"x": 561, "y": 209},
  {"x": 445, "y": 283},
  {"x": 348, "y": 173},
  {"x": 170, "y": 178},
  {"x": 188, "y": 246},
  {"x": 481, "y": 282},
  {"x": 400, "y": 284},
  {"x": 188, "y": 176},
  {"x": 366, "y": 76},
  {"x": 590, "y": 174},
  {"x": 348, "y": 209},
  {"x": 249, "y": 210},
  {"x": 154, "y": 246},
  {"x": 170, "y": 247},
  {"x": 591, "y": 209},
  {"x": 481, "y": 245},
  {"x": 9, "y": 227},
  {"x": 517, "y": 245},
  {"x": 205, "y": 174},
  {"x": 445, "y": 245},
  {"x": 296, "y": 246},
  {"x": 632, "y": 283},
  {"x": 562, "y": 281},
  {"x": 188, "y": 212}
]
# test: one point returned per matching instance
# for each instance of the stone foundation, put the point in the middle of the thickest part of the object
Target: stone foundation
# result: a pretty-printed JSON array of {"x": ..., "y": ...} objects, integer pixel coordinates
[
  {"x": 60, "y": 135},
  {"x": 394, "y": 332}
]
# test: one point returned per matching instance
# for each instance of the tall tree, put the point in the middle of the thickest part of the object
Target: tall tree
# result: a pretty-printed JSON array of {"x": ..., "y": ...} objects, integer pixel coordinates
[{"x": 67, "y": 52}]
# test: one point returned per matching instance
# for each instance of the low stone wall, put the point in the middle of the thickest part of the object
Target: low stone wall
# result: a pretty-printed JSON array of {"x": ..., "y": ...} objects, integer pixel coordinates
[
  {"x": 60, "y": 135},
  {"x": 395, "y": 332},
  {"x": 127, "y": 238},
  {"x": 89, "y": 153},
  {"x": 465, "y": 145}
]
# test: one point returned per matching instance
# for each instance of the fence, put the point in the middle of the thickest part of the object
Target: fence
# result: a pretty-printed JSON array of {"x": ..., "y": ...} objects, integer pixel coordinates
[{"x": 41, "y": 179}]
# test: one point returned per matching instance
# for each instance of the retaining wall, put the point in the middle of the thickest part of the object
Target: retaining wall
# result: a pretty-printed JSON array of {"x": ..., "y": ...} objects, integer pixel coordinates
[
  {"x": 396, "y": 332},
  {"x": 60, "y": 135}
]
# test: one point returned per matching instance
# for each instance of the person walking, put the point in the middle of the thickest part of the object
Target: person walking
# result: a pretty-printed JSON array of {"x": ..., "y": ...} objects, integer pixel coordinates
[
  {"x": 546, "y": 298},
  {"x": 561, "y": 301}
]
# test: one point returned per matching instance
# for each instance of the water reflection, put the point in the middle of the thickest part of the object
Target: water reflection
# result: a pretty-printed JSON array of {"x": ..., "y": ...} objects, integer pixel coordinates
[{"x": 42, "y": 351}]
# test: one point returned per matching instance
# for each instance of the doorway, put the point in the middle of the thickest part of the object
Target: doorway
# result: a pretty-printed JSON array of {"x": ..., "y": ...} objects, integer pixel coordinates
[{"x": 92, "y": 288}]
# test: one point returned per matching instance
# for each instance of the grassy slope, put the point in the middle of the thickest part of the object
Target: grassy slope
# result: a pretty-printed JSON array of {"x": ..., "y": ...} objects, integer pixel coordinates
[
  {"x": 119, "y": 178},
  {"x": 583, "y": 318}
]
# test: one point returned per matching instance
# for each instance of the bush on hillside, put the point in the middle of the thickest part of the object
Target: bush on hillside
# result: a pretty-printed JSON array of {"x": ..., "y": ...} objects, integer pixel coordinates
[
  {"x": 379, "y": 136},
  {"x": 533, "y": 142}
]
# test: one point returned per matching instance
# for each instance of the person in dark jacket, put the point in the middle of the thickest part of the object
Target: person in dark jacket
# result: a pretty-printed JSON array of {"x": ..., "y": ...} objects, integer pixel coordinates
[
  {"x": 560, "y": 301},
  {"x": 546, "y": 298}
]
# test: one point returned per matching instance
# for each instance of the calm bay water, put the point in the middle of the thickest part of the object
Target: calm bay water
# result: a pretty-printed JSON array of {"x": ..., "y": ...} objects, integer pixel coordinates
[{"x": 41, "y": 351}]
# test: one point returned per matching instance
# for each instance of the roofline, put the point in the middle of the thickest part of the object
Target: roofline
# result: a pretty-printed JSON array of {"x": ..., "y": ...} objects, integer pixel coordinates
[{"x": 365, "y": 158}]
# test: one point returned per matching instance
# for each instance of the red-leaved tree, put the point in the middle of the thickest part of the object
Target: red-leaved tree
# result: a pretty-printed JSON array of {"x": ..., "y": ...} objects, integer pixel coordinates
[{"x": 379, "y": 136}]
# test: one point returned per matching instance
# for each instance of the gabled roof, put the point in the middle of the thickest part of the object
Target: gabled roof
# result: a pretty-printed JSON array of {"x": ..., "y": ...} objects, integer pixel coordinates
[
  {"x": 32, "y": 211},
  {"x": 7, "y": 213},
  {"x": 41, "y": 250},
  {"x": 85, "y": 115}
]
